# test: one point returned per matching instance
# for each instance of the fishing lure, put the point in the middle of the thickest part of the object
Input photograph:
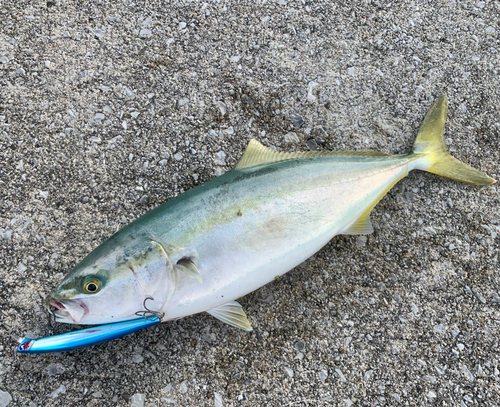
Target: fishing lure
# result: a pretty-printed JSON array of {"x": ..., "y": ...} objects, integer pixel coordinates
[{"x": 85, "y": 337}]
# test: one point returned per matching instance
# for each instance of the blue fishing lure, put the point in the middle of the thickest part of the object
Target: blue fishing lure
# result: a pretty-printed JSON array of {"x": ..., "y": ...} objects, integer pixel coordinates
[{"x": 85, "y": 337}]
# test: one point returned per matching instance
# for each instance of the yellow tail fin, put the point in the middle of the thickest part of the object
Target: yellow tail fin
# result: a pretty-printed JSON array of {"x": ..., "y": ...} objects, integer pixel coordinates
[{"x": 436, "y": 159}]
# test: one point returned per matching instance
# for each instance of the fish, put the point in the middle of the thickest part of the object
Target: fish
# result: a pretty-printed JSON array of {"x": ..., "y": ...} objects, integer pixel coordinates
[
  {"x": 221, "y": 240},
  {"x": 85, "y": 337}
]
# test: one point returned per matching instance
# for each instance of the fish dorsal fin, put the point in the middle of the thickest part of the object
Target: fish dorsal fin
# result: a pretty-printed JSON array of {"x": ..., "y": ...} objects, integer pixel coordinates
[
  {"x": 231, "y": 313},
  {"x": 361, "y": 226},
  {"x": 256, "y": 154}
]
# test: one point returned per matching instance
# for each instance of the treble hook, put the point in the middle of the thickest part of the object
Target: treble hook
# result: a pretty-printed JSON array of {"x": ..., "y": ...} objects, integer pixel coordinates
[{"x": 149, "y": 314}]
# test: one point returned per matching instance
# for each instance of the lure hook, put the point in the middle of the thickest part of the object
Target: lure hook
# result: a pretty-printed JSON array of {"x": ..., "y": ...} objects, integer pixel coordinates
[{"x": 148, "y": 314}]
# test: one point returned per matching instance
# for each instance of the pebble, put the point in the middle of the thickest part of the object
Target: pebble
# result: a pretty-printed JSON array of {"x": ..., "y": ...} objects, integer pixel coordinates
[
  {"x": 351, "y": 71},
  {"x": 235, "y": 58},
  {"x": 222, "y": 107},
  {"x": 247, "y": 100},
  {"x": 5, "y": 398},
  {"x": 20, "y": 71},
  {"x": 219, "y": 171},
  {"x": 361, "y": 241},
  {"x": 163, "y": 163},
  {"x": 7, "y": 235},
  {"x": 182, "y": 102},
  {"x": 21, "y": 267},
  {"x": 289, "y": 371},
  {"x": 297, "y": 120},
  {"x": 311, "y": 143},
  {"x": 178, "y": 157},
  {"x": 99, "y": 116},
  {"x": 166, "y": 400},
  {"x": 130, "y": 93},
  {"x": 143, "y": 201},
  {"x": 60, "y": 390},
  {"x": 368, "y": 375},
  {"x": 220, "y": 158},
  {"x": 137, "y": 358},
  {"x": 4, "y": 60},
  {"x": 144, "y": 32},
  {"x": 217, "y": 400},
  {"x": 467, "y": 373},
  {"x": 323, "y": 374},
  {"x": 409, "y": 196},
  {"x": 311, "y": 98},
  {"x": 183, "y": 387},
  {"x": 137, "y": 400},
  {"x": 182, "y": 25},
  {"x": 341, "y": 375},
  {"x": 98, "y": 33},
  {"x": 299, "y": 346},
  {"x": 291, "y": 138},
  {"x": 396, "y": 397}
]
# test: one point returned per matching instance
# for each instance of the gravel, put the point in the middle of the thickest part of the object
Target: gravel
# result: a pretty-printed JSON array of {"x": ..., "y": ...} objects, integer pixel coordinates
[{"x": 109, "y": 109}]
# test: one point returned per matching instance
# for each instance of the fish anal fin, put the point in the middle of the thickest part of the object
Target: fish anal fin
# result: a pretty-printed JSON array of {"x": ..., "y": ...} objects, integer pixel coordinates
[
  {"x": 361, "y": 226},
  {"x": 231, "y": 313},
  {"x": 256, "y": 154}
]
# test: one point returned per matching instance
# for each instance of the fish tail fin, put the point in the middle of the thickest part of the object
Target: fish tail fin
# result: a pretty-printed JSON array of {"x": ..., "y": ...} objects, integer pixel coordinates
[{"x": 435, "y": 157}]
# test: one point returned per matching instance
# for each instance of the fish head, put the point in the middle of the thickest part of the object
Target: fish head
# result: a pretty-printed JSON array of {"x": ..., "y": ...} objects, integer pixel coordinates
[
  {"x": 112, "y": 285},
  {"x": 91, "y": 297}
]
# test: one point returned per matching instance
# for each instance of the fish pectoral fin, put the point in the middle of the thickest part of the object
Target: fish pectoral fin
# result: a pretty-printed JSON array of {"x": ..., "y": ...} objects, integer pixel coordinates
[
  {"x": 187, "y": 266},
  {"x": 231, "y": 313},
  {"x": 361, "y": 226}
]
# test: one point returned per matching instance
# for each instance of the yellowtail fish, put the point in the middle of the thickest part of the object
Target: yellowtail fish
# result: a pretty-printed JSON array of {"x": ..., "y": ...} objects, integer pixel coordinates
[{"x": 221, "y": 240}]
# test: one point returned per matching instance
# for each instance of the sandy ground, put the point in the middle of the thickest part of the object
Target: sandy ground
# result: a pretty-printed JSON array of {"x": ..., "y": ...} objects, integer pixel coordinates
[{"x": 108, "y": 110}]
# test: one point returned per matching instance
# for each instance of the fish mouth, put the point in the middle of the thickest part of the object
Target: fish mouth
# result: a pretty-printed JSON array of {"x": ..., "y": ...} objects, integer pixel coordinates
[{"x": 69, "y": 311}]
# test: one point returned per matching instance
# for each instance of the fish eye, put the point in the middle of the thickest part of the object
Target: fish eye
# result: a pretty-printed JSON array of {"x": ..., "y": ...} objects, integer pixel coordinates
[{"x": 92, "y": 285}]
